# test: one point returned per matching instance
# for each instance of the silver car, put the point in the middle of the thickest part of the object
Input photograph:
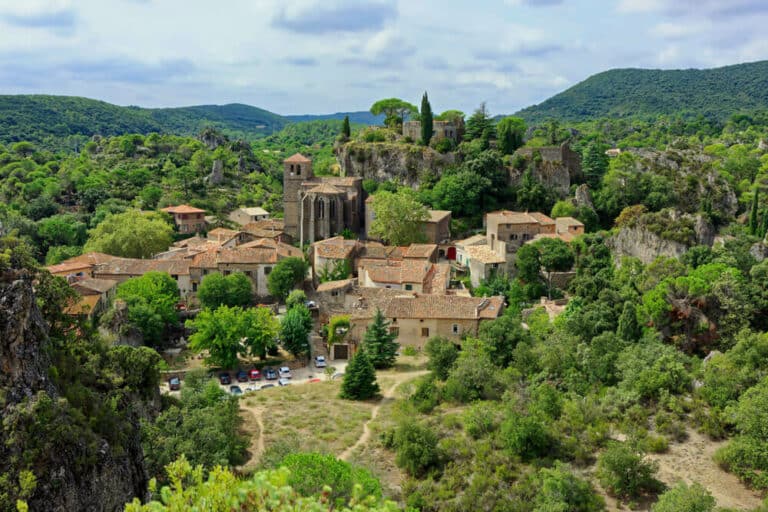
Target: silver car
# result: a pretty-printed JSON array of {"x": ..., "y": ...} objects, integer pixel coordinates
[
  {"x": 319, "y": 361},
  {"x": 285, "y": 372},
  {"x": 284, "y": 382}
]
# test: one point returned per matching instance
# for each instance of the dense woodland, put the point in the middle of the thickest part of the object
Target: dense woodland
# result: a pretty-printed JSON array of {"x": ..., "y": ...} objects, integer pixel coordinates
[{"x": 532, "y": 415}]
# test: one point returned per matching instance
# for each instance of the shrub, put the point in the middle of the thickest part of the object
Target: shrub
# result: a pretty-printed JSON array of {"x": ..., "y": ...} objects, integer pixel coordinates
[
  {"x": 427, "y": 395},
  {"x": 442, "y": 356},
  {"x": 525, "y": 437},
  {"x": 416, "y": 446},
  {"x": 480, "y": 419},
  {"x": 683, "y": 498},
  {"x": 623, "y": 473}
]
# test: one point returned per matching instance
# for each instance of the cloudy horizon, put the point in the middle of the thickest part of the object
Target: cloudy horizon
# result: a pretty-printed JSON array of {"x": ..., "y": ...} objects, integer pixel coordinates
[{"x": 313, "y": 57}]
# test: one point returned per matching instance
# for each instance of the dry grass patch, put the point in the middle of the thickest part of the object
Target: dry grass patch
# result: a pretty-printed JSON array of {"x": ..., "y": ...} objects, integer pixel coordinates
[{"x": 312, "y": 414}]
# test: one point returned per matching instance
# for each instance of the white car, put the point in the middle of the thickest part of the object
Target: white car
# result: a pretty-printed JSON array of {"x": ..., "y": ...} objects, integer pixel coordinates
[
  {"x": 285, "y": 372},
  {"x": 283, "y": 382},
  {"x": 319, "y": 361}
]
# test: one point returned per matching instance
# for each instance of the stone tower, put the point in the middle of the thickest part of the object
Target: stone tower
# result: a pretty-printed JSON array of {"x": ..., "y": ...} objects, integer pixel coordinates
[{"x": 297, "y": 169}]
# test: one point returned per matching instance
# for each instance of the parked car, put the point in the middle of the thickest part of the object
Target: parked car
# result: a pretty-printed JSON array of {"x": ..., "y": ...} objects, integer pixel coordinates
[
  {"x": 283, "y": 382},
  {"x": 174, "y": 384},
  {"x": 235, "y": 390},
  {"x": 285, "y": 372},
  {"x": 319, "y": 361},
  {"x": 225, "y": 379},
  {"x": 248, "y": 389},
  {"x": 242, "y": 376},
  {"x": 265, "y": 386},
  {"x": 310, "y": 304},
  {"x": 270, "y": 374},
  {"x": 255, "y": 374}
]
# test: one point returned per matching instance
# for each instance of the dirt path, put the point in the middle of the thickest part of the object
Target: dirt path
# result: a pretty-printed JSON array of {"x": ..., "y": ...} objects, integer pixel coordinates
[
  {"x": 386, "y": 397},
  {"x": 257, "y": 438},
  {"x": 691, "y": 461}
]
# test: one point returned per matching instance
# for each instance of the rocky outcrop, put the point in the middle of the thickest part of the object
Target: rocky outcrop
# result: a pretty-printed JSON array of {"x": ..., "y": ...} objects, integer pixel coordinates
[
  {"x": 56, "y": 440},
  {"x": 407, "y": 164},
  {"x": 553, "y": 175},
  {"x": 583, "y": 198},
  {"x": 216, "y": 177},
  {"x": 643, "y": 242}
]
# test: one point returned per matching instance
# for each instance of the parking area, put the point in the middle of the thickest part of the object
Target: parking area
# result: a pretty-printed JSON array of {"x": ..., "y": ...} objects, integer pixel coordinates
[{"x": 302, "y": 375}]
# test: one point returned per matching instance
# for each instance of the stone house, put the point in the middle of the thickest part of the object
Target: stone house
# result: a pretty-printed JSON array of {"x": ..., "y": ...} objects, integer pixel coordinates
[
  {"x": 243, "y": 216},
  {"x": 319, "y": 207},
  {"x": 416, "y": 317},
  {"x": 417, "y": 275},
  {"x": 269, "y": 228},
  {"x": 79, "y": 266},
  {"x": 437, "y": 229},
  {"x": 122, "y": 269},
  {"x": 255, "y": 259},
  {"x": 331, "y": 294},
  {"x": 188, "y": 219},
  {"x": 516, "y": 228},
  {"x": 94, "y": 296},
  {"x": 442, "y": 130},
  {"x": 328, "y": 253}
]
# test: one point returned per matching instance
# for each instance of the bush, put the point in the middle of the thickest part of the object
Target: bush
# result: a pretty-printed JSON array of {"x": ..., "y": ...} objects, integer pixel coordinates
[
  {"x": 560, "y": 490},
  {"x": 311, "y": 472},
  {"x": 525, "y": 437},
  {"x": 427, "y": 395},
  {"x": 623, "y": 473},
  {"x": 480, "y": 419},
  {"x": 416, "y": 447},
  {"x": 683, "y": 498},
  {"x": 442, "y": 355}
]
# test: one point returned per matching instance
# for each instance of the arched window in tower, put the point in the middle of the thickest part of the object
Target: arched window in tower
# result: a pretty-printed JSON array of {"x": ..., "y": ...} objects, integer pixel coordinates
[
  {"x": 321, "y": 209},
  {"x": 291, "y": 169},
  {"x": 298, "y": 170},
  {"x": 333, "y": 209}
]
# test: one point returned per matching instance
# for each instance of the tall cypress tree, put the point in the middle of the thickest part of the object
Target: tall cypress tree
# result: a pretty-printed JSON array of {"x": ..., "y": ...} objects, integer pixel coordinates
[
  {"x": 754, "y": 222},
  {"x": 346, "y": 132},
  {"x": 629, "y": 329},
  {"x": 427, "y": 125},
  {"x": 380, "y": 343},
  {"x": 360, "y": 378}
]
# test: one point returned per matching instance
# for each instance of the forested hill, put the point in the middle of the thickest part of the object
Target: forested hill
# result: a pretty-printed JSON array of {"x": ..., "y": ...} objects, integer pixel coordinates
[
  {"x": 718, "y": 92},
  {"x": 361, "y": 117},
  {"x": 66, "y": 122}
]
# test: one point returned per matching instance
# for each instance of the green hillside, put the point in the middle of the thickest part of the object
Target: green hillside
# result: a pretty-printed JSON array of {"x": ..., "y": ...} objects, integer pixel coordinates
[
  {"x": 60, "y": 122},
  {"x": 718, "y": 93}
]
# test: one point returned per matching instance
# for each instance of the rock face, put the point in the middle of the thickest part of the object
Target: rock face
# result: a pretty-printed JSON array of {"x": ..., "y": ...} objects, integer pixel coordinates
[
  {"x": 639, "y": 242},
  {"x": 403, "y": 163},
  {"x": 217, "y": 173},
  {"x": 583, "y": 198},
  {"x": 553, "y": 166},
  {"x": 41, "y": 431}
]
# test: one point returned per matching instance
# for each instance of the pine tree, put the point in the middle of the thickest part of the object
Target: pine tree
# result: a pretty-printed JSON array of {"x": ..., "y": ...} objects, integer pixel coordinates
[
  {"x": 427, "y": 126},
  {"x": 360, "y": 379},
  {"x": 594, "y": 164},
  {"x": 754, "y": 223},
  {"x": 346, "y": 132},
  {"x": 629, "y": 329},
  {"x": 763, "y": 225},
  {"x": 380, "y": 343}
]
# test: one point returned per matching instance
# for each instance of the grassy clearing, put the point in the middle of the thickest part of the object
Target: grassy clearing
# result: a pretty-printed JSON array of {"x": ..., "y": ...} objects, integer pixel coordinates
[{"x": 312, "y": 414}]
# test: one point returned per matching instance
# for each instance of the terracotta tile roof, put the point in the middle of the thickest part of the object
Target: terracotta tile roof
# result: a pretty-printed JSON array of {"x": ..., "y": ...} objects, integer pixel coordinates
[
  {"x": 82, "y": 262},
  {"x": 342, "y": 181},
  {"x": 265, "y": 228},
  {"x": 325, "y": 188},
  {"x": 93, "y": 286},
  {"x": 247, "y": 255},
  {"x": 365, "y": 301},
  {"x": 336, "y": 248},
  {"x": 484, "y": 254},
  {"x": 398, "y": 272},
  {"x": 510, "y": 217},
  {"x": 297, "y": 158},
  {"x": 564, "y": 236},
  {"x": 335, "y": 285},
  {"x": 376, "y": 250},
  {"x": 420, "y": 251},
  {"x": 444, "y": 307},
  {"x": 438, "y": 278},
  {"x": 222, "y": 234},
  {"x": 135, "y": 267},
  {"x": 82, "y": 305},
  {"x": 563, "y": 223},
  {"x": 473, "y": 240},
  {"x": 438, "y": 215},
  {"x": 262, "y": 251},
  {"x": 182, "y": 208},
  {"x": 205, "y": 259},
  {"x": 254, "y": 211}
]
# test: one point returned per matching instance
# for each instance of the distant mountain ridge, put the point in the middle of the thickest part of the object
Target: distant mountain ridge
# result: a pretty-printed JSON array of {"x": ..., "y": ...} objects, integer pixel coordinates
[
  {"x": 61, "y": 122},
  {"x": 360, "y": 117},
  {"x": 718, "y": 92}
]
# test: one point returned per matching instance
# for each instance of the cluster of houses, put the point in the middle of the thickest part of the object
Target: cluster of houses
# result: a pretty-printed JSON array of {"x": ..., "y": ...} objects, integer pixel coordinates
[{"x": 416, "y": 287}]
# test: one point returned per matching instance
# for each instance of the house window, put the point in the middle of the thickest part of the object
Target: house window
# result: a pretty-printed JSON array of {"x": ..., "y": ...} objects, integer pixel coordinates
[
  {"x": 194, "y": 287},
  {"x": 227, "y": 272},
  {"x": 267, "y": 270},
  {"x": 425, "y": 332},
  {"x": 409, "y": 287},
  {"x": 394, "y": 330},
  {"x": 455, "y": 328},
  {"x": 526, "y": 236},
  {"x": 334, "y": 294},
  {"x": 513, "y": 237}
]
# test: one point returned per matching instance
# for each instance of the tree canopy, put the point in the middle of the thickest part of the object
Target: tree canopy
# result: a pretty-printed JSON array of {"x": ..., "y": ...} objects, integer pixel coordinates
[
  {"x": 219, "y": 290},
  {"x": 131, "y": 234},
  {"x": 395, "y": 110},
  {"x": 398, "y": 218}
]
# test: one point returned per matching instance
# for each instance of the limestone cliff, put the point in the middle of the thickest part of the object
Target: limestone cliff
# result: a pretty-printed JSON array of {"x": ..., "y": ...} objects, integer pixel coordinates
[
  {"x": 654, "y": 236},
  {"x": 82, "y": 443},
  {"x": 403, "y": 163}
]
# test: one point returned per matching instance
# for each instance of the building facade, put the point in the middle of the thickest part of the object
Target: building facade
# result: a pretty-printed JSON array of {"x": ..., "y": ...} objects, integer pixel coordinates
[
  {"x": 319, "y": 207},
  {"x": 188, "y": 219}
]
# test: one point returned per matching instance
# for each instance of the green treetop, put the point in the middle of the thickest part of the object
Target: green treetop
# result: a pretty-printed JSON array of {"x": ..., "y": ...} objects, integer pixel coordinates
[
  {"x": 132, "y": 234},
  {"x": 380, "y": 343},
  {"x": 395, "y": 110},
  {"x": 427, "y": 128},
  {"x": 360, "y": 378},
  {"x": 398, "y": 217}
]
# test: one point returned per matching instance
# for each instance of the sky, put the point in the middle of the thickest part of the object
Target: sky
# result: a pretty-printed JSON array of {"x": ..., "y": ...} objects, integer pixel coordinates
[{"x": 324, "y": 56}]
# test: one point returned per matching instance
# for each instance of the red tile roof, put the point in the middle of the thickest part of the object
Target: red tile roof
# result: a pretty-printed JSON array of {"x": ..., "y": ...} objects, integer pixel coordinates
[
  {"x": 297, "y": 158},
  {"x": 82, "y": 262},
  {"x": 182, "y": 208},
  {"x": 444, "y": 307}
]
